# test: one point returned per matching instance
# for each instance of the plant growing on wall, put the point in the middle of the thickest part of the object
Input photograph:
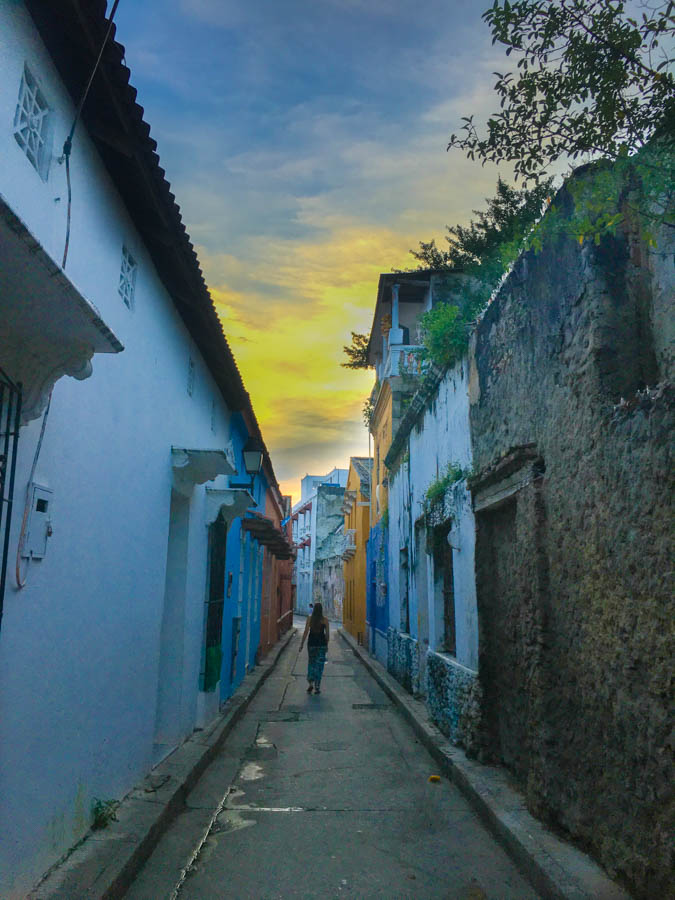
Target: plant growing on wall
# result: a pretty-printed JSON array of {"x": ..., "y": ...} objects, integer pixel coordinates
[
  {"x": 438, "y": 488},
  {"x": 103, "y": 812},
  {"x": 369, "y": 405}
]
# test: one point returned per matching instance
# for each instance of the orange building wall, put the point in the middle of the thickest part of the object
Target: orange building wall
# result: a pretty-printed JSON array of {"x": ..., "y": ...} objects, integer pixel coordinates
[{"x": 276, "y": 607}]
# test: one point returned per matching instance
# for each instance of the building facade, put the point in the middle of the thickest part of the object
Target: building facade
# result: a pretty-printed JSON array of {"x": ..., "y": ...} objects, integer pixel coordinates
[
  {"x": 327, "y": 581},
  {"x": 304, "y": 531},
  {"x": 572, "y": 422},
  {"x": 356, "y": 509},
  {"x": 123, "y": 420},
  {"x": 433, "y": 619},
  {"x": 393, "y": 351},
  {"x": 519, "y": 576}
]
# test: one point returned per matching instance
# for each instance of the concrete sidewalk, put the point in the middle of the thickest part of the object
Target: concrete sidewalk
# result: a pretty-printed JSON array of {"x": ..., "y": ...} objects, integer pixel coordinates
[
  {"x": 557, "y": 869},
  {"x": 105, "y": 863}
]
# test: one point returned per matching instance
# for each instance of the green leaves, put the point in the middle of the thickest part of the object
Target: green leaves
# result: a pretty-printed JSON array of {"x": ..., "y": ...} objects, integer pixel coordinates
[
  {"x": 589, "y": 80},
  {"x": 438, "y": 488},
  {"x": 357, "y": 352},
  {"x": 484, "y": 250},
  {"x": 507, "y": 218}
]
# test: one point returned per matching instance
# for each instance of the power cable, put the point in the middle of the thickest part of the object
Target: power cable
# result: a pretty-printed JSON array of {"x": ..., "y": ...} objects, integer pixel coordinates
[{"x": 68, "y": 144}]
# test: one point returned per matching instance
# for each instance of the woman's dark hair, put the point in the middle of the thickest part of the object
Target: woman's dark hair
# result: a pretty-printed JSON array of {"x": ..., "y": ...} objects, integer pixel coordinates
[{"x": 317, "y": 616}]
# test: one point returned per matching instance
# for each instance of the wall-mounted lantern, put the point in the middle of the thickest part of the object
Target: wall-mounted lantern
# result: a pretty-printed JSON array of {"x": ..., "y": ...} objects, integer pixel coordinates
[{"x": 253, "y": 458}]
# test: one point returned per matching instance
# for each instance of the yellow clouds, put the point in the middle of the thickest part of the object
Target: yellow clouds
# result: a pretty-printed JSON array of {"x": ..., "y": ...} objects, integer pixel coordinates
[{"x": 288, "y": 309}]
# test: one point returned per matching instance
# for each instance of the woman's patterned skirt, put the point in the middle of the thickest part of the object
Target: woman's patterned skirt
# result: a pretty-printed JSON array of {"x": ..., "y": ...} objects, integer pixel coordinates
[{"x": 315, "y": 663}]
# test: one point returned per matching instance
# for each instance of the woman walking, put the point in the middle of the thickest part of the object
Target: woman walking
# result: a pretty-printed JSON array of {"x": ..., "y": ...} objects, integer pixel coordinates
[{"x": 317, "y": 634}]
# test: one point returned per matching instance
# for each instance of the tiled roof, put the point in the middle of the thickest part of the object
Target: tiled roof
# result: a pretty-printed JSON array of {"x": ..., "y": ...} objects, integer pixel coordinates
[
  {"x": 363, "y": 466},
  {"x": 73, "y": 31}
]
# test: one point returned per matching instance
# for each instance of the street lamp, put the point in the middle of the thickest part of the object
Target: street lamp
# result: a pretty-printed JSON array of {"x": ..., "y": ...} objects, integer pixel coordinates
[{"x": 253, "y": 457}]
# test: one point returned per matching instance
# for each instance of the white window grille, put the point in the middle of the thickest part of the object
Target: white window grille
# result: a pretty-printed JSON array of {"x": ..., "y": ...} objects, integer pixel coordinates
[
  {"x": 191, "y": 377},
  {"x": 32, "y": 124},
  {"x": 127, "y": 285}
]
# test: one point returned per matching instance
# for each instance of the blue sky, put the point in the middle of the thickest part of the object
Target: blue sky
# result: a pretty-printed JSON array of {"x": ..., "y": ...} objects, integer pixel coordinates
[{"x": 305, "y": 143}]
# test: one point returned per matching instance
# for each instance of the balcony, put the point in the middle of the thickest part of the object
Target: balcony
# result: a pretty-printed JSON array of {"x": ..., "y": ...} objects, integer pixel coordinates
[
  {"x": 348, "y": 502},
  {"x": 349, "y": 544},
  {"x": 402, "y": 359}
]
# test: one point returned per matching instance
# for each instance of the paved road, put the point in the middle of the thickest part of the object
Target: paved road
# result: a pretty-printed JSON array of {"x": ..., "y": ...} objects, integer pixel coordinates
[{"x": 326, "y": 796}]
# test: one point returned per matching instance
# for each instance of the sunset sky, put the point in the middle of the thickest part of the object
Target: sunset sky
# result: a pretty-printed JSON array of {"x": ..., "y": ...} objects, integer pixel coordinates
[{"x": 305, "y": 142}]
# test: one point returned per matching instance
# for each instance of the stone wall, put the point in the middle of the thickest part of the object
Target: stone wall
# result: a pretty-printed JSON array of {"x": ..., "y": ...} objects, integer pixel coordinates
[
  {"x": 403, "y": 660},
  {"x": 571, "y": 421},
  {"x": 454, "y": 700}
]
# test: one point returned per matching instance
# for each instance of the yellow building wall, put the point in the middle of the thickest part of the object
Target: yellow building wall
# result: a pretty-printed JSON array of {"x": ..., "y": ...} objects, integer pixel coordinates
[{"x": 354, "y": 604}]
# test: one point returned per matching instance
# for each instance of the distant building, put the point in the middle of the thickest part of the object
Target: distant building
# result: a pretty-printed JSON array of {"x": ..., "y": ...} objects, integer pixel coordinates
[
  {"x": 328, "y": 582},
  {"x": 356, "y": 509},
  {"x": 393, "y": 351},
  {"x": 304, "y": 519}
]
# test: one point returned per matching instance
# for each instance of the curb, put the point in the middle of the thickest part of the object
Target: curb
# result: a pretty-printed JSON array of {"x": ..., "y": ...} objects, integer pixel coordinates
[
  {"x": 556, "y": 869},
  {"x": 104, "y": 864}
]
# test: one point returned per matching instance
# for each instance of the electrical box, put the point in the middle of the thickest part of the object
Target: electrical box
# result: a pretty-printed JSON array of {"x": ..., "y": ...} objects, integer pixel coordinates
[{"x": 38, "y": 526}]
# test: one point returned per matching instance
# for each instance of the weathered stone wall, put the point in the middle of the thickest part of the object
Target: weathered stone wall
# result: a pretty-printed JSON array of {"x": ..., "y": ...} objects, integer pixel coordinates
[
  {"x": 403, "y": 660},
  {"x": 454, "y": 700},
  {"x": 328, "y": 586},
  {"x": 573, "y": 548}
]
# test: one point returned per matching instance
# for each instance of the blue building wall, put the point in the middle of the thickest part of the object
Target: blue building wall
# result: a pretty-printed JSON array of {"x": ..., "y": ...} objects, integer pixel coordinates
[
  {"x": 243, "y": 579},
  {"x": 377, "y": 591}
]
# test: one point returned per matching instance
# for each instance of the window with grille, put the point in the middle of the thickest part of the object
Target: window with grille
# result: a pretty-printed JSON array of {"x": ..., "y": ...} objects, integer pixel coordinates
[
  {"x": 32, "y": 124},
  {"x": 127, "y": 285}
]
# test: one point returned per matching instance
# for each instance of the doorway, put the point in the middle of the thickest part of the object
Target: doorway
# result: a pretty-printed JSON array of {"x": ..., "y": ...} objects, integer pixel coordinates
[
  {"x": 168, "y": 713},
  {"x": 213, "y": 618}
]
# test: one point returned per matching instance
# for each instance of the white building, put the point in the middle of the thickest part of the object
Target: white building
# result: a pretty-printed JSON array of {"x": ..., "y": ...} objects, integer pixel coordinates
[
  {"x": 304, "y": 534},
  {"x": 433, "y": 618},
  {"x": 101, "y": 649}
]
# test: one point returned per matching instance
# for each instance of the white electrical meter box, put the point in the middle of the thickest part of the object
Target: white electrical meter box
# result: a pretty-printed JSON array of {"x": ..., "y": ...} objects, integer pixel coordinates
[{"x": 38, "y": 526}]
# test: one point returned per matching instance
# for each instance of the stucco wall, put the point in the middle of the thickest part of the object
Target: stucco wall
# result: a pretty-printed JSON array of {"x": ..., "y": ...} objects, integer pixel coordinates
[
  {"x": 377, "y": 592},
  {"x": 80, "y": 645},
  {"x": 440, "y": 437},
  {"x": 574, "y": 591}
]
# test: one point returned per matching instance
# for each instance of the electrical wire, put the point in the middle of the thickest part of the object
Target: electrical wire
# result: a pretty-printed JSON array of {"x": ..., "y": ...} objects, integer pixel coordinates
[
  {"x": 70, "y": 202},
  {"x": 22, "y": 534},
  {"x": 68, "y": 143}
]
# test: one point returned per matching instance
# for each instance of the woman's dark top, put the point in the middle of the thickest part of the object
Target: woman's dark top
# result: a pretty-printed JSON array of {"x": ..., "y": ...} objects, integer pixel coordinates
[{"x": 317, "y": 638}]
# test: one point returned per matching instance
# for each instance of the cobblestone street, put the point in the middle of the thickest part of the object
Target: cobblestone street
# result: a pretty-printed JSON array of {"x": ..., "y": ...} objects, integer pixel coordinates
[{"x": 326, "y": 796}]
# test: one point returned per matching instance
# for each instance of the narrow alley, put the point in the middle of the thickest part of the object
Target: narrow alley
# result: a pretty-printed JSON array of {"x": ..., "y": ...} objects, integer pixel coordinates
[{"x": 326, "y": 796}]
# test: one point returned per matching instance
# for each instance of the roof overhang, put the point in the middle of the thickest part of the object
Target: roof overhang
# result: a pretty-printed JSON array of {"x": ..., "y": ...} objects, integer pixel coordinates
[
  {"x": 413, "y": 287},
  {"x": 230, "y": 503},
  {"x": 48, "y": 329},
  {"x": 266, "y": 533},
  {"x": 191, "y": 467}
]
